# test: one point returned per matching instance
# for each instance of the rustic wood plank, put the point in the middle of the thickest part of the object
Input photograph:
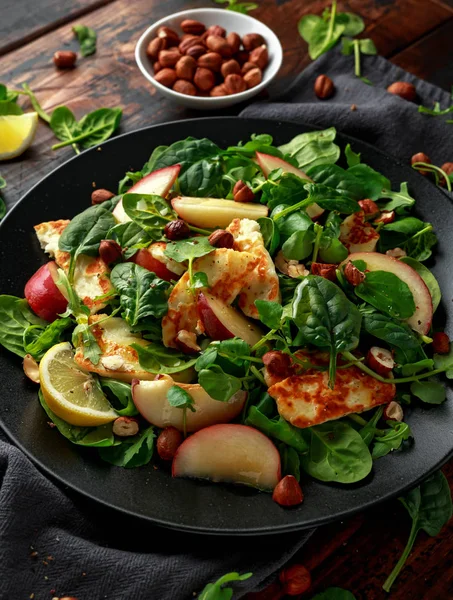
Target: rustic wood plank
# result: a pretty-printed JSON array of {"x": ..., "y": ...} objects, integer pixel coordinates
[{"x": 27, "y": 20}]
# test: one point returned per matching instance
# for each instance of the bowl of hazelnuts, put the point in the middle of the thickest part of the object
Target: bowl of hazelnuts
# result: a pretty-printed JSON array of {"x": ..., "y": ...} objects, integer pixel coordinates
[{"x": 209, "y": 58}]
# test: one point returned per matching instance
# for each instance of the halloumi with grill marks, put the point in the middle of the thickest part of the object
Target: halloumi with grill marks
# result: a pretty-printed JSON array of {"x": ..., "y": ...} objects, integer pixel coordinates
[
  {"x": 306, "y": 399},
  {"x": 227, "y": 271},
  {"x": 91, "y": 274},
  {"x": 262, "y": 284}
]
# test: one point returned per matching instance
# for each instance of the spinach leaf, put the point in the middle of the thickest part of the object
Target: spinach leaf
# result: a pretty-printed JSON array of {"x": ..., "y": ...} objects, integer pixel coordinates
[
  {"x": 352, "y": 158},
  {"x": 331, "y": 250},
  {"x": 299, "y": 245},
  {"x": 398, "y": 200},
  {"x": 142, "y": 293},
  {"x": 287, "y": 189},
  {"x": 270, "y": 313},
  {"x": 130, "y": 236},
  {"x": 86, "y": 38},
  {"x": 130, "y": 179},
  {"x": 388, "y": 293},
  {"x": 150, "y": 212},
  {"x": 419, "y": 246},
  {"x": 317, "y": 152},
  {"x": 63, "y": 123},
  {"x": 278, "y": 429},
  {"x": 334, "y": 593},
  {"x": 216, "y": 591},
  {"x": 299, "y": 142},
  {"x": 290, "y": 223},
  {"x": 84, "y": 233},
  {"x": 371, "y": 181},
  {"x": 336, "y": 453},
  {"x": 6, "y": 94},
  {"x": 397, "y": 233},
  {"x": 428, "y": 278},
  {"x": 319, "y": 34},
  {"x": 122, "y": 393},
  {"x": 94, "y": 128},
  {"x": 330, "y": 199},
  {"x": 430, "y": 508},
  {"x": 392, "y": 439},
  {"x": 430, "y": 392},
  {"x": 132, "y": 452},
  {"x": 37, "y": 339},
  {"x": 218, "y": 384},
  {"x": 10, "y": 108},
  {"x": 270, "y": 233},
  {"x": 258, "y": 143},
  {"x": 15, "y": 318},
  {"x": 155, "y": 358},
  {"x": 326, "y": 318},
  {"x": 342, "y": 181}
]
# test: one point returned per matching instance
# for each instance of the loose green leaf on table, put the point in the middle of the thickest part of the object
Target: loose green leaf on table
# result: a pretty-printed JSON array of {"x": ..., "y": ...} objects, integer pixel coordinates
[
  {"x": 15, "y": 318},
  {"x": 8, "y": 107},
  {"x": 216, "y": 591},
  {"x": 86, "y": 38},
  {"x": 319, "y": 34},
  {"x": 94, "y": 128},
  {"x": 131, "y": 452}
]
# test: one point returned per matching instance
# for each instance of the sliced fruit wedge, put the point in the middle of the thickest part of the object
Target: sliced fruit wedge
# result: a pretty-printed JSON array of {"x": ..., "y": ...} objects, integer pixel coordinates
[
  {"x": 72, "y": 394},
  {"x": 421, "y": 320},
  {"x": 230, "y": 453},
  {"x": 216, "y": 212},
  {"x": 16, "y": 134}
]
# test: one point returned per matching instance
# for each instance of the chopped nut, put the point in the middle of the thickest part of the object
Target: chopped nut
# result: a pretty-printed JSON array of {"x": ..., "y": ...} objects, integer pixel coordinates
[
  {"x": 386, "y": 217},
  {"x": 396, "y": 253},
  {"x": 393, "y": 412},
  {"x": 325, "y": 270},
  {"x": 369, "y": 207},
  {"x": 31, "y": 368},
  {"x": 125, "y": 426},
  {"x": 187, "y": 342},
  {"x": 292, "y": 268},
  {"x": 353, "y": 275},
  {"x": 278, "y": 363}
]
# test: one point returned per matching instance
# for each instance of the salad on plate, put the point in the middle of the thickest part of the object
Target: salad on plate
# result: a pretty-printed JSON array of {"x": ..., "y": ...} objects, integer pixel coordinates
[{"x": 255, "y": 314}]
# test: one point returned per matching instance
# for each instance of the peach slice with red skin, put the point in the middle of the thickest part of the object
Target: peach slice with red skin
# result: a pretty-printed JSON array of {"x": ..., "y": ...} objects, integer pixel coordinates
[
  {"x": 43, "y": 295},
  {"x": 216, "y": 212},
  {"x": 158, "y": 182},
  {"x": 421, "y": 320},
  {"x": 229, "y": 453},
  {"x": 150, "y": 398},
  {"x": 269, "y": 163}
]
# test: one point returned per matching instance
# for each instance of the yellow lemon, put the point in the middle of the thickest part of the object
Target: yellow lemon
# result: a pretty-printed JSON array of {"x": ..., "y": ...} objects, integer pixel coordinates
[
  {"x": 16, "y": 134},
  {"x": 72, "y": 394}
]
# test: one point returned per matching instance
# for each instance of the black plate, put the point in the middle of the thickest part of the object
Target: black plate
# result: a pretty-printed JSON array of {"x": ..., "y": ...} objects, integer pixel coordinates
[{"x": 152, "y": 494}]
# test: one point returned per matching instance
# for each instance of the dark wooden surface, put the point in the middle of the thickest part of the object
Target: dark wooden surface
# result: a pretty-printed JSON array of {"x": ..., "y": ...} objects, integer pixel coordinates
[{"x": 415, "y": 34}]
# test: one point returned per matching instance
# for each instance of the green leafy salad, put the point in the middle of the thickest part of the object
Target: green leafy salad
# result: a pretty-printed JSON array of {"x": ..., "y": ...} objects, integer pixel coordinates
[{"x": 256, "y": 314}]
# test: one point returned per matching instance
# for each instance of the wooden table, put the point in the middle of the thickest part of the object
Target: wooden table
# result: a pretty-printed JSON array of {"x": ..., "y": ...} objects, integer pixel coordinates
[{"x": 415, "y": 34}]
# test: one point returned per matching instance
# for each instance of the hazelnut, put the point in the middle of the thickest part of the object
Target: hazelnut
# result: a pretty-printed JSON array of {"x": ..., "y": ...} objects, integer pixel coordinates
[
  {"x": 242, "y": 56},
  {"x": 393, "y": 412},
  {"x": 420, "y": 157},
  {"x": 169, "y": 58},
  {"x": 234, "y": 40},
  {"x": 185, "y": 68},
  {"x": 235, "y": 84},
  {"x": 192, "y": 26},
  {"x": 278, "y": 363},
  {"x": 448, "y": 169},
  {"x": 204, "y": 79},
  {"x": 242, "y": 192},
  {"x": 230, "y": 67},
  {"x": 182, "y": 86},
  {"x": 296, "y": 580},
  {"x": 188, "y": 42},
  {"x": 403, "y": 89},
  {"x": 100, "y": 196},
  {"x": 386, "y": 217},
  {"x": 380, "y": 360},
  {"x": 210, "y": 60},
  {"x": 288, "y": 492},
  {"x": 176, "y": 230},
  {"x": 218, "y": 90},
  {"x": 215, "y": 30},
  {"x": 324, "y": 87},
  {"x": 157, "y": 66},
  {"x": 325, "y": 270},
  {"x": 370, "y": 208},
  {"x": 196, "y": 51},
  {"x": 250, "y": 41},
  {"x": 168, "y": 442},
  {"x": 253, "y": 77},
  {"x": 441, "y": 342},
  {"x": 166, "y": 77},
  {"x": 64, "y": 59},
  {"x": 125, "y": 426},
  {"x": 31, "y": 368},
  {"x": 396, "y": 253},
  {"x": 219, "y": 44},
  {"x": 353, "y": 275},
  {"x": 110, "y": 251},
  {"x": 187, "y": 342},
  {"x": 248, "y": 66},
  {"x": 221, "y": 239},
  {"x": 292, "y": 268},
  {"x": 169, "y": 35},
  {"x": 154, "y": 47},
  {"x": 259, "y": 56}
]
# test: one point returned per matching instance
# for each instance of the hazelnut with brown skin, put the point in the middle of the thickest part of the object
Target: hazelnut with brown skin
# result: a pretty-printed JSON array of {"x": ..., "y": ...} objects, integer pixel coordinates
[
  {"x": 168, "y": 442},
  {"x": 110, "y": 251},
  {"x": 211, "y": 61},
  {"x": 278, "y": 363},
  {"x": 64, "y": 59},
  {"x": 324, "y": 87},
  {"x": 188, "y": 42},
  {"x": 100, "y": 196},
  {"x": 296, "y": 580},
  {"x": 154, "y": 47},
  {"x": 230, "y": 67},
  {"x": 166, "y": 77},
  {"x": 125, "y": 426},
  {"x": 176, "y": 230},
  {"x": 250, "y": 41},
  {"x": 196, "y": 51},
  {"x": 169, "y": 35},
  {"x": 215, "y": 30},
  {"x": 259, "y": 56},
  {"x": 253, "y": 77},
  {"x": 325, "y": 270},
  {"x": 441, "y": 342},
  {"x": 185, "y": 68},
  {"x": 234, "y": 40},
  {"x": 204, "y": 79},
  {"x": 184, "y": 87},
  {"x": 242, "y": 192},
  {"x": 218, "y": 90},
  {"x": 234, "y": 84},
  {"x": 221, "y": 239},
  {"x": 403, "y": 89},
  {"x": 218, "y": 44},
  {"x": 288, "y": 492},
  {"x": 448, "y": 169},
  {"x": 192, "y": 26},
  {"x": 169, "y": 58}
]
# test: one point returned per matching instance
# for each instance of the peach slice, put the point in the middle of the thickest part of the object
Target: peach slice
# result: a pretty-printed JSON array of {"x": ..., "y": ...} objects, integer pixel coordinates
[
  {"x": 223, "y": 322},
  {"x": 216, "y": 212},
  {"x": 230, "y": 453},
  {"x": 150, "y": 398},
  {"x": 43, "y": 294},
  {"x": 420, "y": 321},
  {"x": 269, "y": 163},
  {"x": 159, "y": 182}
]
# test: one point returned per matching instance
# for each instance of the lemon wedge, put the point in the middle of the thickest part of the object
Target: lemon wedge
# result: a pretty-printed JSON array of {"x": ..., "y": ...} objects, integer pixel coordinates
[
  {"x": 16, "y": 134},
  {"x": 72, "y": 394}
]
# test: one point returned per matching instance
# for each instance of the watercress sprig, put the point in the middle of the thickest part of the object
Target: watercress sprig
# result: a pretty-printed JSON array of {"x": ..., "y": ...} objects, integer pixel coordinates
[
  {"x": 439, "y": 173},
  {"x": 188, "y": 250},
  {"x": 179, "y": 398}
]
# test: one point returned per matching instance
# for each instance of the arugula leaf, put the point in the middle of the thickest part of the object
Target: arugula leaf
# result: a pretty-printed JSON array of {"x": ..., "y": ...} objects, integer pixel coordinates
[
  {"x": 352, "y": 158},
  {"x": 430, "y": 508},
  {"x": 218, "y": 384},
  {"x": 142, "y": 293},
  {"x": 391, "y": 439},
  {"x": 430, "y": 392},
  {"x": 86, "y": 38},
  {"x": 132, "y": 452},
  {"x": 388, "y": 293},
  {"x": 290, "y": 462},
  {"x": 436, "y": 111},
  {"x": 122, "y": 393},
  {"x": 270, "y": 313},
  {"x": 398, "y": 200},
  {"x": 428, "y": 278},
  {"x": 326, "y": 318},
  {"x": 278, "y": 429},
  {"x": 156, "y": 358},
  {"x": 37, "y": 339},
  {"x": 15, "y": 318},
  {"x": 336, "y": 452},
  {"x": 216, "y": 591}
]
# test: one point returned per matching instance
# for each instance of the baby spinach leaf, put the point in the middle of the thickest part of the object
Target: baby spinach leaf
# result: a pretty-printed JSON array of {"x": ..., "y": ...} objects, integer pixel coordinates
[
  {"x": 319, "y": 34},
  {"x": 295, "y": 148},
  {"x": 94, "y": 128},
  {"x": 428, "y": 278},
  {"x": 142, "y": 293},
  {"x": 430, "y": 508},
  {"x": 15, "y": 318},
  {"x": 371, "y": 181},
  {"x": 397, "y": 233},
  {"x": 353, "y": 24},
  {"x": 330, "y": 199},
  {"x": 10, "y": 108},
  {"x": 299, "y": 245},
  {"x": 420, "y": 245},
  {"x": 130, "y": 236},
  {"x": 150, "y": 212},
  {"x": 130, "y": 179},
  {"x": 8, "y": 95},
  {"x": 336, "y": 453},
  {"x": 216, "y": 591},
  {"x": 63, "y": 123},
  {"x": 261, "y": 142},
  {"x": 317, "y": 152},
  {"x": 122, "y": 393},
  {"x": 218, "y": 384},
  {"x": 199, "y": 281},
  {"x": 270, "y": 233},
  {"x": 392, "y": 439},
  {"x": 342, "y": 181},
  {"x": 430, "y": 392},
  {"x": 334, "y": 593},
  {"x": 352, "y": 158},
  {"x": 270, "y": 313},
  {"x": 331, "y": 250},
  {"x": 286, "y": 189},
  {"x": 156, "y": 358},
  {"x": 86, "y": 38},
  {"x": 326, "y": 318},
  {"x": 2, "y": 183},
  {"x": 398, "y": 200},
  {"x": 278, "y": 429},
  {"x": 132, "y": 452},
  {"x": 388, "y": 293},
  {"x": 37, "y": 339}
]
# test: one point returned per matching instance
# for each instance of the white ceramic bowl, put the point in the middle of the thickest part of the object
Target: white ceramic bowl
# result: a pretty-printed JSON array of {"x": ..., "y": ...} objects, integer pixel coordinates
[{"x": 231, "y": 21}]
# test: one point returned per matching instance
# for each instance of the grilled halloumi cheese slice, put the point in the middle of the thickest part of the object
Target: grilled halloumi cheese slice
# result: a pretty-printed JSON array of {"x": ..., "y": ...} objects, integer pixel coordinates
[
  {"x": 227, "y": 272},
  {"x": 91, "y": 273},
  {"x": 262, "y": 283}
]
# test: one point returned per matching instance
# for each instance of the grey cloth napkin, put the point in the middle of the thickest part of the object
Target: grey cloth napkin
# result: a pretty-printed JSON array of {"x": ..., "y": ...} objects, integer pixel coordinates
[{"x": 92, "y": 553}]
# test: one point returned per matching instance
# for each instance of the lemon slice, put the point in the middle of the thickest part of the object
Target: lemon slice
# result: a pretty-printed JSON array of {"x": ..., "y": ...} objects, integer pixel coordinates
[
  {"x": 16, "y": 134},
  {"x": 72, "y": 394}
]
